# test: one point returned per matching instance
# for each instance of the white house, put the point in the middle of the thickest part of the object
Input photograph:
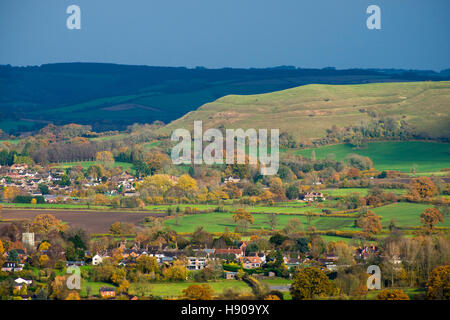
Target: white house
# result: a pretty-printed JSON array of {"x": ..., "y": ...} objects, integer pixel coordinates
[
  {"x": 196, "y": 263},
  {"x": 232, "y": 179},
  {"x": 97, "y": 259},
  {"x": 314, "y": 196},
  {"x": 19, "y": 282}
]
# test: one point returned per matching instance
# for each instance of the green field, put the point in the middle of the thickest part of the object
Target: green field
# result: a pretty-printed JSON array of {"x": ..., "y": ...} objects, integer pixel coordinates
[
  {"x": 151, "y": 145},
  {"x": 335, "y": 238},
  {"x": 400, "y": 156},
  {"x": 174, "y": 289},
  {"x": 405, "y": 214},
  {"x": 217, "y": 222},
  {"x": 87, "y": 164},
  {"x": 363, "y": 191},
  {"x": 291, "y": 208}
]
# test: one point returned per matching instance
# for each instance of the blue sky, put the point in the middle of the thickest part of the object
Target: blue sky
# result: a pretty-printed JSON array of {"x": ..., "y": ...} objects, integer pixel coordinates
[{"x": 415, "y": 34}]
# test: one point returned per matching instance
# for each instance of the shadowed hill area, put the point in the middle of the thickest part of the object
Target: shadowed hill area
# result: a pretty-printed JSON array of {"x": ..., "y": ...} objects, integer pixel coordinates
[
  {"x": 110, "y": 97},
  {"x": 307, "y": 111}
]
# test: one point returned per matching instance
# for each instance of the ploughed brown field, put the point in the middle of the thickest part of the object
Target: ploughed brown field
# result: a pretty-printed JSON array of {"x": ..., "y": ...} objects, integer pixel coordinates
[{"x": 91, "y": 221}]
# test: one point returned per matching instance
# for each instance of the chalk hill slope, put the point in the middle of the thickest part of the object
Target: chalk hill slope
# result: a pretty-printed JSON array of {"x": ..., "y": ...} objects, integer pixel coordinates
[{"x": 307, "y": 111}]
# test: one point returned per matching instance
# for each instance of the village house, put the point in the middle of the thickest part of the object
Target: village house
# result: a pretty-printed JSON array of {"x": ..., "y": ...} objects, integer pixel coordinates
[
  {"x": 19, "y": 282},
  {"x": 127, "y": 262},
  {"x": 236, "y": 253},
  {"x": 329, "y": 262},
  {"x": 251, "y": 262},
  {"x": 291, "y": 262},
  {"x": 19, "y": 167},
  {"x": 97, "y": 259},
  {"x": 133, "y": 253},
  {"x": 166, "y": 256},
  {"x": 208, "y": 252},
  {"x": 50, "y": 198},
  {"x": 313, "y": 196},
  {"x": 12, "y": 267},
  {"x": 232, "y": 179},
  {"x": 366, "y": 251},
  {"x": 196, "y": 263},
  {"x": 74, "y": 263},
  {"x": 260, "y": 255},
  {"x": 230, "y": 275},
  {"x": 107, "y": 292}
]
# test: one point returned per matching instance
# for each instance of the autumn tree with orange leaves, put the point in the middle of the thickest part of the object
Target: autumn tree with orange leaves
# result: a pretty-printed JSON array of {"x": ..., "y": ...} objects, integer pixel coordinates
[
  {"x": 370, "y": 223},
  {"x": 395, "y": 294},
  {"x": 429, "y": 218},
  {"x": 421, "y": 188},
  {"x": 44, "y": 223},
  {"x": 198, "y": 292}
]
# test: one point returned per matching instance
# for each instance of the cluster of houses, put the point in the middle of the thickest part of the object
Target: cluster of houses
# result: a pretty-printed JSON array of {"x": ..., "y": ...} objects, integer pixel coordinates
[
  {"x": 197, "y": 259},
  {"x": 200, "y": 257},
  {"x": 28, "y": 180}
]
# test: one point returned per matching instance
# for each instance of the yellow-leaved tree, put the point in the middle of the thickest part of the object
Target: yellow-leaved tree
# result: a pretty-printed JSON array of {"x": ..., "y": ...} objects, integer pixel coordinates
[{"x": 198, "y": 292}]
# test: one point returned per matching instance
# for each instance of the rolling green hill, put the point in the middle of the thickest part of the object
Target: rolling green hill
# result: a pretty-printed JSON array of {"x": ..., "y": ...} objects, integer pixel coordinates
[{"x": 307, "y": 111}]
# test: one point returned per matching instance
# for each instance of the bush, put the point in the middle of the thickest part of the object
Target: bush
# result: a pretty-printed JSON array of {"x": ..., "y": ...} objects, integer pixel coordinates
[{"x": 28, "y": 199}]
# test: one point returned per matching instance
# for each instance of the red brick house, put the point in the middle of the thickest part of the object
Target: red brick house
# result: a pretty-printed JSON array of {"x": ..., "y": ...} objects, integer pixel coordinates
[{"x": 107, "y": 292}]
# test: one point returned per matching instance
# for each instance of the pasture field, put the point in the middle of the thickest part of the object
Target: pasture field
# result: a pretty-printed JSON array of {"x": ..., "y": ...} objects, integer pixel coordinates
[
  {"x": 87, "y": 164},
  {"x": 428, "y": 157},
  {"x": 151, "y": 145},
  {"x": 175, "y": 289},
  {"x": 296, "y": 209},
  {"x": 218, "y": 221},
  {"x": 335, "y": 238},
  {"x": 99, "y": 218},
  {"x": 363, "y": 191},
  {"x": 404, "y": 214}
]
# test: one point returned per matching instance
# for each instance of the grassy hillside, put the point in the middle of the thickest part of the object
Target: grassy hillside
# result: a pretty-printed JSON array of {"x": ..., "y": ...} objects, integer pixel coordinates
[
  {"x": 388, "y": 155},
  {"x": 307, "y": 111}
]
